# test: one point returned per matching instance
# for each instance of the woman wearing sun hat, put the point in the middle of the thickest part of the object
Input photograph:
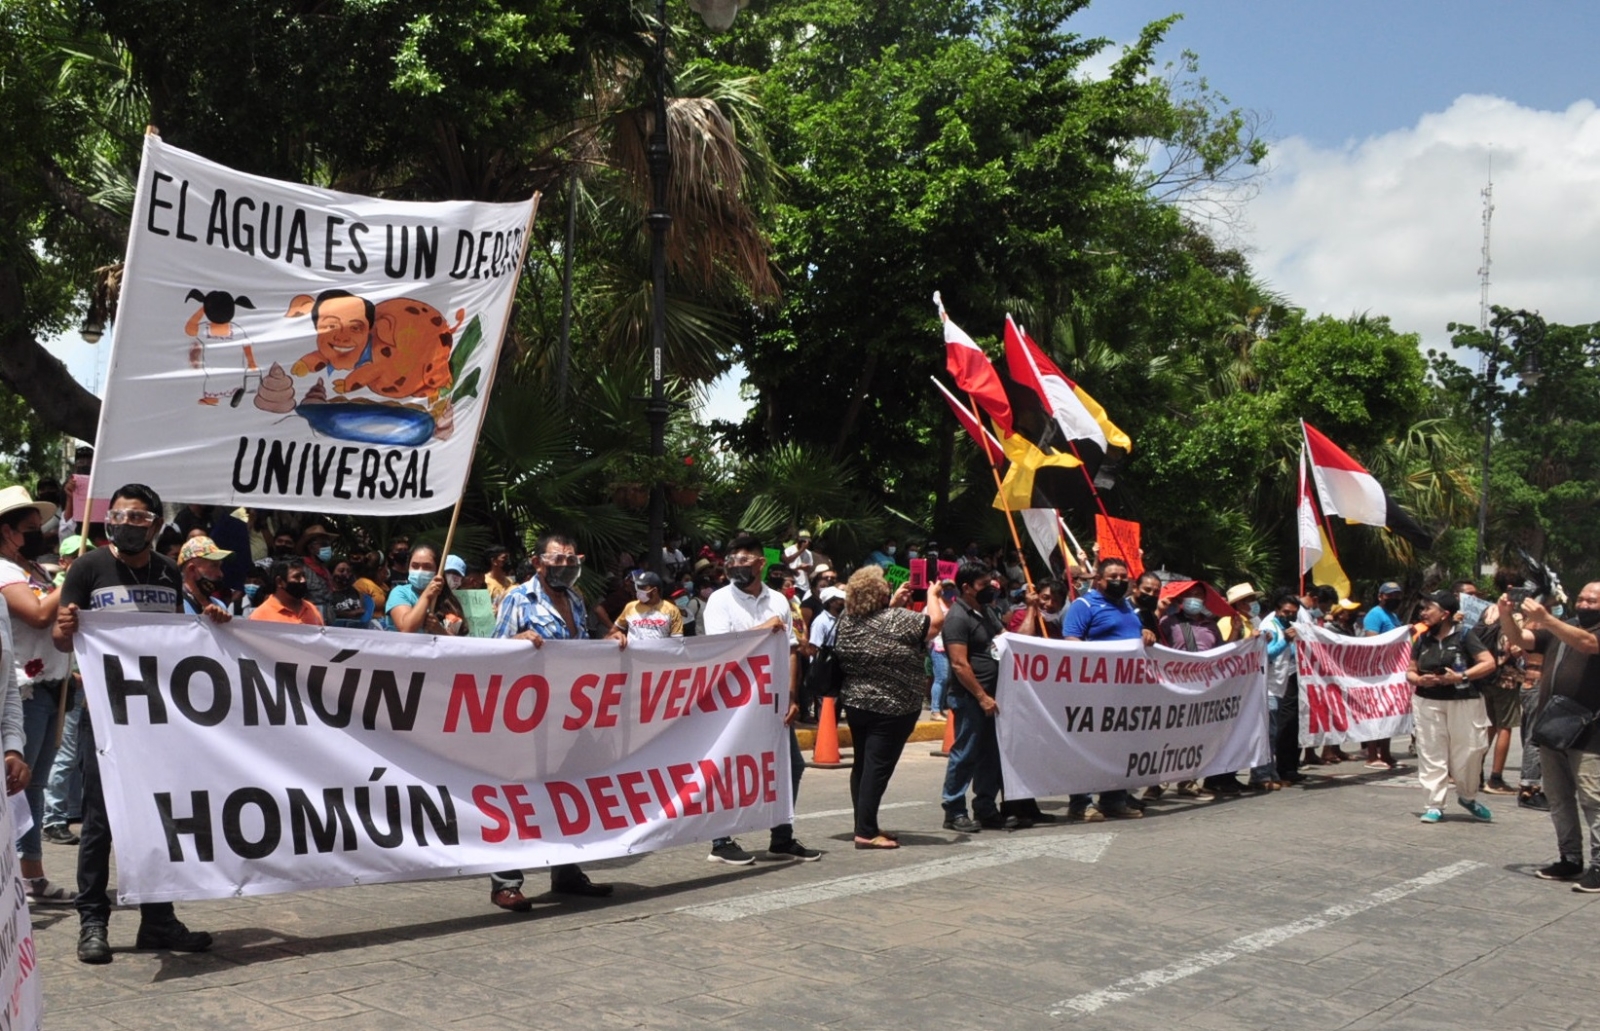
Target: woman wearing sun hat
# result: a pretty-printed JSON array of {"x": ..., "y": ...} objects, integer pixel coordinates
[{"x": 36, "y": 670}]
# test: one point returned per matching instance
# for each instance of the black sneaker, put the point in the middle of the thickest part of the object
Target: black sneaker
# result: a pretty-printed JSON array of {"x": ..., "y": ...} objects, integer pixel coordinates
[
  {"x": 1589, "y": 883},
  {"x": 731, "y": 854},
  {"x": 171, "y": 936},
  {"x": 792, "y": 849},
  {"x": 1534, "y": 801},
  {"x": 997, "y": 822},
  {"x": 963, "y": 824},
  {"x": 59, "y": 834},
  {"x": 92, "y": 944},
  {"x": 1563, "y": 869}
]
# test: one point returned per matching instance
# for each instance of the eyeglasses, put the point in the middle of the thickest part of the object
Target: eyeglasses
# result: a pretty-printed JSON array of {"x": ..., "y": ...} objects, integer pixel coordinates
[
  {"x": 561, "y": 560},
  {"x": 131, "y": 516}
]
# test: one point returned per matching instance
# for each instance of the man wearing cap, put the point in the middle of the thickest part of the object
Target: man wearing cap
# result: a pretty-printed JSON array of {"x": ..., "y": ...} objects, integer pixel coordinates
[
  {"x": 1452, "y": 726},
  {"x": 37, "y": 673},
  {"x": 648, "y": 617},
  {"x": 200, "y": 560},
  {"x": 315, "y": 546},
  {"x": 1380, "y": 619},
  {"x": 798, "y": 557}
]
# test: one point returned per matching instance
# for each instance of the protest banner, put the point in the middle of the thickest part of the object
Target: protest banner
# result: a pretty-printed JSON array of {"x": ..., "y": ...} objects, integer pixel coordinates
[
  {"x": 288, "y": 347},
  {"x": 251, "y": 758},
  {"x": 21, "y": 992},
  {"x": 1352, "y": 688},
  {"x": 1082, "y": 717},
  {"x": 479, "y": 612}
]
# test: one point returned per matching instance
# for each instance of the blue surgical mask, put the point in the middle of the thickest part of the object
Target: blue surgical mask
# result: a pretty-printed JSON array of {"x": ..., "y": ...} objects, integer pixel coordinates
[
  {"x": 1193, "y": 607},
  {"x": 418, "y": 579},
  {"x": 252, "y": 591},
  {"x": 1255, "y": 610},
  {"x": 324, "y": 554}
]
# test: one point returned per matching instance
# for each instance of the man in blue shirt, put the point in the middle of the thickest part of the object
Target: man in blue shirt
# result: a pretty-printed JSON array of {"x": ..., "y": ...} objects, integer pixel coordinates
[
  {"x": 1104, "y": 613},
  {"x": 546, "y": 608},
  {"x": 1380, "y": 619}
]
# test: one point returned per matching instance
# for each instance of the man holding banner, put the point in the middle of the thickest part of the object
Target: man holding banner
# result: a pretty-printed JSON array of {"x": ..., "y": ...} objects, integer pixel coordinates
[{"x": 127, "y": 576}]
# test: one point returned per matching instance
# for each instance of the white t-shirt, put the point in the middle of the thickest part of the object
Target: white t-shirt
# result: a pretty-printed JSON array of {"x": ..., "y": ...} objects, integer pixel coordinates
[
  {"x": 794, "y": 556},
  {"x": 730, "y": 610},
  {"x": 31, "y": 651}
]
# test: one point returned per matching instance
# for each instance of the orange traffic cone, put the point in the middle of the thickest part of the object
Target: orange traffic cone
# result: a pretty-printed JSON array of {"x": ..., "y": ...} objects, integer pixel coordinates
[
  {"x": 943, "y": 751},
  {"x": 825, "y": 753}
]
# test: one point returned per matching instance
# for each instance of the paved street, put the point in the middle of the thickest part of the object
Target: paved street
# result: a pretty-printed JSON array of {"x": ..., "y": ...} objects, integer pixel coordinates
[{"x": 1320, "y": 908}]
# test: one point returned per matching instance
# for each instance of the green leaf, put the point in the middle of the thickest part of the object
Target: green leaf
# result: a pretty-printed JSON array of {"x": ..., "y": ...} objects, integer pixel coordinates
[
  {"x": 467, "y": 387},
  {"x": 471, "y": 337}
]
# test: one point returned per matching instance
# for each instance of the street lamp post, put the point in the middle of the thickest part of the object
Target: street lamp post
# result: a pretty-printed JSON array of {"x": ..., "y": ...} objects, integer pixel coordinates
[
  {"x": 718, "y": 15},
  {"x": 1529, "y": 374}
]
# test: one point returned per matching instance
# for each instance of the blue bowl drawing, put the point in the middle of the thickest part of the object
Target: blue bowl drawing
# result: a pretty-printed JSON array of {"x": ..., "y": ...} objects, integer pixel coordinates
[{"x": 393, "y": 425}]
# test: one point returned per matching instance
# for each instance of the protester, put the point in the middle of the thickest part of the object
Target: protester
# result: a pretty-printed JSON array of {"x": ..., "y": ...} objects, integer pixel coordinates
[
  {"x": 257, "y": 586},
  {"x": 414, "y": 606},
  {"x": 1380, "y": 619},
  {"x": 399, "y": 553},
  {"x": 315, "y": 547},
  {"x": 1147, "y": 601},
  {"x": 200, "y": 561},
  {"x": 1571, "y": 774},
  {"x": 63, "y": 793},
  {"x": 1245, "y": 601},
  {"x": 347, "y": 606},
  {"x": 127, "y": 576},
  {"x": 1104, "y": 613},
  {"x": 1502, "y": 699},
  {"x": 880, "y": 646},
  {"x": 1450, "y": 728},
  {"x": 290, "y": 600},
  {"x": 970, "y": 628},
  {"x": 1189, "y": 626},
  {"x": 747, "y": 604},
  {"x": 799, "y": 558},
  {"x": 883, "y": 557},
  {"x": 37, "y": 670},
  {"x": 1281, "y": 629},
  {"x": 544, "y": 608},
  {"x": 938, "y": 658},
  {"x": 497, "y": 573},
  {"x": 821, "y": 629},
  {"x": 648, "y": 617}
]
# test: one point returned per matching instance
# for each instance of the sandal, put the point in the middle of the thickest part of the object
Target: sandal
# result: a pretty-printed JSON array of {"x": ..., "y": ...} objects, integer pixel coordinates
[
  {"x": 42, "y": 893},
  {"x": 511, "y": 899},
  {"x": 1378, "y": 764},
  {"x": 881, "y": 841}
]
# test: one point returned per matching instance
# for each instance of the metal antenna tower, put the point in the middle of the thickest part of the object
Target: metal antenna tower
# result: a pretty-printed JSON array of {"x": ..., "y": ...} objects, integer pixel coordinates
[{"x": 1483, "y": 270}]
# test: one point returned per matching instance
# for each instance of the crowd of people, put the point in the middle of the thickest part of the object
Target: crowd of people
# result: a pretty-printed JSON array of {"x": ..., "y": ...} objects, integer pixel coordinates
[{"x": 896, "y": 648}]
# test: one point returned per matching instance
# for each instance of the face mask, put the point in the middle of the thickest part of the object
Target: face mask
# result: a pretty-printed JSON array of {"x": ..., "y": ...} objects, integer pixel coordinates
[
  {"x": 129, "y": 539},
  {"x": 252, "y": 591},
  {"x": 1194, "y": 608},
  {"x": 1146, "y": 602},
  {"x": 297, "y": 589},
  {"x": 324, "y": 554},
  {"x": 705, "y": 592},
  {"x": 452, "y": 580},
  {"x": 1390, "y": 602},
  {"x": 207, "y": 585},
  {"x": 741, "y": 576},
  {"x": 419, "y": 579},
  {"x": 913, "y": 555},
  {"x": 890, "y": 550},
  {"x": 1558, "y": 611},
  {"x": 788, "y": 592},
  {"x": 1115, "y": 590},
  {"x": 1587, "y": 618},
  {"x": 1255, "y": 610},
  {"x": 562, "y": 576},
  {"x": 987, "y": 596},
  {"x": 1313, "y": 614},
  {"x": 32, "y": 543},
  {"x": 643, "y": 596}
]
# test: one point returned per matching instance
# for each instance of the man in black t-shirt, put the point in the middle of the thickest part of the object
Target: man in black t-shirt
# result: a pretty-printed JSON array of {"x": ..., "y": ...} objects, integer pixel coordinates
[
  {"x": 128, "y": 576},
  {"x": 1571, "y": 775}
]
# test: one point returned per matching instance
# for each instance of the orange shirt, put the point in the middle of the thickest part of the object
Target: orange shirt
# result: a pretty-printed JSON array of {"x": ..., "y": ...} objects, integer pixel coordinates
[{"x": 272, "y": 610}]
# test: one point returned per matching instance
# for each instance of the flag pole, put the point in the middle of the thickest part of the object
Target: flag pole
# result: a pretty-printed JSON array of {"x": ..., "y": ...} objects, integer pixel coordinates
[{"x": 999, "y": 489}]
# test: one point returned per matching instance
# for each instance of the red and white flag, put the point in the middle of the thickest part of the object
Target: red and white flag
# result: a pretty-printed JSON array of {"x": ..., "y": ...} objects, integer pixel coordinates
[
  {"x": 986, "y": 440},
  {"x": 971, "y": 370},
  {"x": 1346, "y": 488}
]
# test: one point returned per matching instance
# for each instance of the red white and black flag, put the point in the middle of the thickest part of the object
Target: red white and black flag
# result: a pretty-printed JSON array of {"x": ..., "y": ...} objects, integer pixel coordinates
[{"x": 1347, "y": 490}]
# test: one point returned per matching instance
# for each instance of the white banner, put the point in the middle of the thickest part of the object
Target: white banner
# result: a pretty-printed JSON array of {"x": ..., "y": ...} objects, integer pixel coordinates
[
  {"x": 1079, "y": 717},
  {"x": 1352, "y": 688},
  {"x": 21, "y": 992},
  {"x": 290, "y": 347},
  {"x": 253, "y": 758}
]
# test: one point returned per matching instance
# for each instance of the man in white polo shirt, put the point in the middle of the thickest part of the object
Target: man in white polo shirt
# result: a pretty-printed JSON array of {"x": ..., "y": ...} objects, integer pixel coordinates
[{"x": 748, "y": 604}]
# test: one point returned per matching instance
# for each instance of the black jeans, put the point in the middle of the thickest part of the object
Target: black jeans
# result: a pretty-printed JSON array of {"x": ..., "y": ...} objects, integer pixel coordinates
[
  {"x": 878, "y": 739},
  {"x": 94, "y": 850},
  {"x": 1286, "y": 746}
]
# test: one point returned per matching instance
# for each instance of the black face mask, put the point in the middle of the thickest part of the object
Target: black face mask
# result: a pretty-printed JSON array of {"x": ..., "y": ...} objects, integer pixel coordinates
[
  {"x": 32, "y": 543},
  {"x": 741, "y": 576},
  {"x": 129, "y": 539},
  {"x": 1587, "y": 618},
  {"x": 1115, "y": 590},
  {"x": 297, "y": 589},
  {"x": 1146, "y": 602},
  {"x": 206, "y": 585},
  {"x": 987, "y": 596}
]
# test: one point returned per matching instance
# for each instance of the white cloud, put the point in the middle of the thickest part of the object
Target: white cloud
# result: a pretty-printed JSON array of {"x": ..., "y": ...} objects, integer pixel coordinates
[{"x": 1391, "y": 225}]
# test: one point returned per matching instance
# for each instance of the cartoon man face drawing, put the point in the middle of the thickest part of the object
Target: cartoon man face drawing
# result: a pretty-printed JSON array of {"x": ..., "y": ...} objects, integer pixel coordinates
[{"x": 343, "y": 323}]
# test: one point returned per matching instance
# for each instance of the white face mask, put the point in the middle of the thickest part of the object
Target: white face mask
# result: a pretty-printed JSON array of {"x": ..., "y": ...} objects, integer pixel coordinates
[
  {"x": 642, "y": 595},
  {"x": 452, "y": 580}
]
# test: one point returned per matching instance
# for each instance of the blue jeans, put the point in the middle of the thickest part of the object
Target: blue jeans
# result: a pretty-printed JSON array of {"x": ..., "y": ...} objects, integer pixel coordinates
[
  {"x": 974, "y": 759},
  {"x": 783, "y": 833},
  {"x": 941, "y": 679},
  {"x": 39, "y": 725},
  {"x": 63, "y": 791},
  {"x": 1269, "y": 770}
]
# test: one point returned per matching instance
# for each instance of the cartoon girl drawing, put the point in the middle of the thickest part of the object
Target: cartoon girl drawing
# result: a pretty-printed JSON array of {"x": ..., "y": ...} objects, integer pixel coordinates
[{"x": 212, "y": 328}]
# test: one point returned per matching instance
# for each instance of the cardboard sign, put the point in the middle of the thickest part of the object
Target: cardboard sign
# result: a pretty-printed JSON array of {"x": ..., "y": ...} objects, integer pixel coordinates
[
  {"x": 1119, "y": 538},
  {"x": 479, "y": 612},
  {"x": 947, "y": 570}
]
